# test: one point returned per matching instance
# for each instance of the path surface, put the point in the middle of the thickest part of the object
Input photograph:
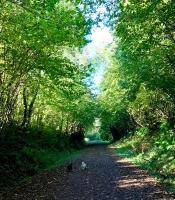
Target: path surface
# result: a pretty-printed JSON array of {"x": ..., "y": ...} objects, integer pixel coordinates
[{"x": 108, "y": 177}]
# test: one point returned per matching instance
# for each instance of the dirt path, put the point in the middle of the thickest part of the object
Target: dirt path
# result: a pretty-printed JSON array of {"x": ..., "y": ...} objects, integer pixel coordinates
[{"x": 108, "y": 177}]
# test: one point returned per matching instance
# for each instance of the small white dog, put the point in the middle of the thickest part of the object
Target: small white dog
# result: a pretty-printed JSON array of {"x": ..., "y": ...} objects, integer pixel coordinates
[{"x": 83, "y": 165}]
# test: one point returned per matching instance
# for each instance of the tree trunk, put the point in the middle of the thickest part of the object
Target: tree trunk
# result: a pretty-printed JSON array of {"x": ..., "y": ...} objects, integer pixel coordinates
[{"x": 28, "y": 109}]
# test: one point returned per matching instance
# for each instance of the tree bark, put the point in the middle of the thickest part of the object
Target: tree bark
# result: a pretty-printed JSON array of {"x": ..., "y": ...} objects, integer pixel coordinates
[{"x": 28, "y": 109}]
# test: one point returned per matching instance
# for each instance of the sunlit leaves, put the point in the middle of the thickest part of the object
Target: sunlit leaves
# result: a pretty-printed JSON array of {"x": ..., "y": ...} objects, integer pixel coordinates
[
  {"x": 33, "y": 37},
  {"x": 142, "y": 80}
]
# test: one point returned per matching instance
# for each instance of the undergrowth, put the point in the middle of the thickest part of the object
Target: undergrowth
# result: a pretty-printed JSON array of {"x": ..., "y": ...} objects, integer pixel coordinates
[
  {"x": 25, "y": 154},
  {"x": 153, "y": 152}
]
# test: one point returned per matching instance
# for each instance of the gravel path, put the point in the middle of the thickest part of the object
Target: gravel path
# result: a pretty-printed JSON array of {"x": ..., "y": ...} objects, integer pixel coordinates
[{"x": 108, "y": 177}]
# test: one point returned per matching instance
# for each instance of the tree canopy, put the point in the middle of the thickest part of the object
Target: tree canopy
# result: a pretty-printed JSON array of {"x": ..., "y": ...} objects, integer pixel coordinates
[
  {"x": 141, "y": 75},
  {"x": 46, "y": 95},
  {"x": 37, "y": 77}
]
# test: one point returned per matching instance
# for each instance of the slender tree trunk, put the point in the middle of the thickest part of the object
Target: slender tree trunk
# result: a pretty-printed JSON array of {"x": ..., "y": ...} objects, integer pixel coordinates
[
  {"x": 61, "y": 125},
  {"x": 25, "y": 108},
  {"x": 67, "y": 124},
  {"x": 28, "y": 109}
]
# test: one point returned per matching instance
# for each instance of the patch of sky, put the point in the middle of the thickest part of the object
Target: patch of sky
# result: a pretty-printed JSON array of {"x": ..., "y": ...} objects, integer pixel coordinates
[
  {"x": 101, "y": 39},
  {"x": 96, "y": 51}
]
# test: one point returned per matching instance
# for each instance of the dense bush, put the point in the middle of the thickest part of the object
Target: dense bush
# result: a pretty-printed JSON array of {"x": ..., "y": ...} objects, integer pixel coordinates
[
  {"x": 24, "y": 154},
  {"x": 154, "y": 152}
]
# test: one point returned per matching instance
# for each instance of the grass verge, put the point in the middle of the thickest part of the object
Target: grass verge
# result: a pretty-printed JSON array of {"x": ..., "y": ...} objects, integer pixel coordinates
[
  {"x": 23, "y": 157},
  {"x": 158, "y": 164}
]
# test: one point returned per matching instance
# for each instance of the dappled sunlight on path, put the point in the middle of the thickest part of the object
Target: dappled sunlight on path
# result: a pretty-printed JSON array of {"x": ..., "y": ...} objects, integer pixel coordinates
[{"x": 108, "y": 177}]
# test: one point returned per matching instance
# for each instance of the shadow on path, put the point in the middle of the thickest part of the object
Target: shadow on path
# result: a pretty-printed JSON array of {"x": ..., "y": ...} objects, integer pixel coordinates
[{"x": 108, "y": 177}]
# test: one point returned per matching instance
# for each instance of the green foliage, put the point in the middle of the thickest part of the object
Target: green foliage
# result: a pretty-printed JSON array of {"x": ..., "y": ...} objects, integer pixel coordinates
[
  {"x": 151, "y": 107},
  {"x": 154, "y": 153},
  {"x": 146, "y": 51},
  {"x": 45, "y": 103},
  {"x": 138, "y": 85},
  {"x": 44, "y": 90},
  {"x": 25, "y": 155},
  {"x": 38, "y": 78},
  {"x": 48, "y": 158},
  {"x": 137, "y": 91},
  {"x": 142, "y": 132}
]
